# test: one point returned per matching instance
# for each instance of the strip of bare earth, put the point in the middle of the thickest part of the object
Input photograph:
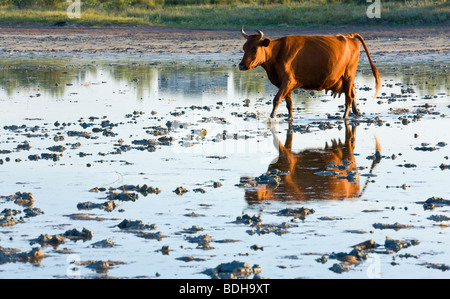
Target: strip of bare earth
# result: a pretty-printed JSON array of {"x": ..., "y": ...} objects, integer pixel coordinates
[{"x": 147, "y": 40}]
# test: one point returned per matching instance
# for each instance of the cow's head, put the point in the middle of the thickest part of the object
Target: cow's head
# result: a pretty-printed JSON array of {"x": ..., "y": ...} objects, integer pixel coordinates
[{"x": 254, "y": 52}]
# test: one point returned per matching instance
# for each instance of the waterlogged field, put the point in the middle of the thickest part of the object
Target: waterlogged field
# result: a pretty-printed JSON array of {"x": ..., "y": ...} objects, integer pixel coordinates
[{"x": 169, "y": 168}]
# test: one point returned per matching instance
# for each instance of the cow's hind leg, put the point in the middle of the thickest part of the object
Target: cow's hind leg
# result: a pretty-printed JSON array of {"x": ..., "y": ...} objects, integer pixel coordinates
[
  {"x": 355, "y": 109},
  {"x": 349, "y": 97}
]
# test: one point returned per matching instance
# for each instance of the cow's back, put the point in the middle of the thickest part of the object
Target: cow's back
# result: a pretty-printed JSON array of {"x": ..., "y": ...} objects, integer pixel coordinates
[{"x": 317, "y": 61}]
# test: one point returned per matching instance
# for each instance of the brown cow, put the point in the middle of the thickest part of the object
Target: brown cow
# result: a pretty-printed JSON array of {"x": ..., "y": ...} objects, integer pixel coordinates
[
  {"x": 328, "y": 173},
  {"x": 315, "y": 62}
]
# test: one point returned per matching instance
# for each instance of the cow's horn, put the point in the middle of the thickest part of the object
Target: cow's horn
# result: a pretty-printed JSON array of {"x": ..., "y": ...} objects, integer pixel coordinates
[
  {"x": 243, "y": 32},
  {"x": 261, "y": 34}
]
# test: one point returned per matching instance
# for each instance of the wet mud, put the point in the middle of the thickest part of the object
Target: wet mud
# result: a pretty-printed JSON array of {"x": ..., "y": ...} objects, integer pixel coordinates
[{"x": 126, "y": 167}]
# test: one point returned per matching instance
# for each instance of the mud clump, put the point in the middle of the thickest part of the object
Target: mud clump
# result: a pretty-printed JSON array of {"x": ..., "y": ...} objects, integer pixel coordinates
[
  {"x": 247, "y": 219},
  {"x": 101, "y": 266},
  {"x": 123, "y": 196},
  {"x": 127, "y": 193},
  {"x": 107, "y": 243},
  {"x": 434, "y": 202},
  {"x": 49, "y": 240},
  {"x": 180, "y": 190},
  {"x": 361, "y": 252},
  {"x": 21, "y": 198},
  {"x": 441, "y": 267},
  {"x": 202, "y": 241},
  {"x": 300, "y": 212},
  {"x": 57, "y": 148},
  {"x": 135, "y": 225},
  {"x": 233, "y": 270},
  {"x": 396, "y": 245},
  {"x": 259, "y": 228},
  {"x": 145, "y": 145},
  {"x": 10, "y": 212},
  {"x": 79, "y": 134},
  {"x": 8, "y": 221},
  {"x": 32, "y": 212},
  {"x": 358, "y": 254},
  {"x": 278, "y": 229},
  {"x": 108, "y": 206},
  {"x": 47, "y": 156},
  {"x": 74, "y": 234},
  {"x": 10, "y": 255},
  {"x": 394, "y": 226},
  {"x": 192, "y": 230},
  {"x": 144, "y": 189},
  {"x": 439, "y": 218},
  {"x": 58, "y": 239},
  {"x": 150, "y": 236}
]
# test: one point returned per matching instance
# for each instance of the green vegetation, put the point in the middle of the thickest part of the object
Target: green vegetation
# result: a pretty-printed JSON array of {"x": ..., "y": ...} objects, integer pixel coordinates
[{"x": 225, "y": 13}]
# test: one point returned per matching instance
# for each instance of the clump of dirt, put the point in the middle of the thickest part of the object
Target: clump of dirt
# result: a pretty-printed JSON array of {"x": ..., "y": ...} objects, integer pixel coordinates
[
  {"x": 434, "y": 202},
  {"x": 190, "y": 259},
  {"x": 25, "y": 199},
  {"x": 260, "y": 228},
  {"x": 58, "y": 239},
  {"x": 300, "y": 212},
  {"x": 108, "y": 206},
  {"x": 247, "y": 219},
  {"x": 150, "y": 236},
  {"x": 396, "y": 245},
  {"x": 107, "y": 243},
  {"x": 49, "y": 240},
  {"x": 361, "y": 252},
  {"x": 394, "y": 226},
  {"x": 122, "y": 196},
  {"x": 442, "y": 267},
  {"x": 32, "y": 212},
  {"x": 135, "y": 225},
  {"x": 100, "y": 266},
  {"x": 75, "y": 234},
  {"x": 180, "y": 190},
  {"x": 202, "y": 241},
  {"x": 8, "y": 221},
  {"x": 271, "y": 178},
  {"x": 278, "y": 229},
  {"x": 233, "y": 270},
  {"x": 10, "y": 255}
]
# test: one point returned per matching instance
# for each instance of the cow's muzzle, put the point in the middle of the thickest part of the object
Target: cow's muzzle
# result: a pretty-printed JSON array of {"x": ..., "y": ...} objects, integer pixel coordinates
[{"x": 243, "y": 67}]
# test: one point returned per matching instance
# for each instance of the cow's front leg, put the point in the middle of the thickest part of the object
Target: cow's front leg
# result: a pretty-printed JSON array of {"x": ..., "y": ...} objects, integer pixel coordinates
[
  {"x": 276, "y": 102},
  {"x": 281, "y": 94}
]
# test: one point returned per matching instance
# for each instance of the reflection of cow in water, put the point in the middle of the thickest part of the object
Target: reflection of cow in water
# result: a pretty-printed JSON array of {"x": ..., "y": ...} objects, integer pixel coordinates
[{"x": 329, "y": 173}]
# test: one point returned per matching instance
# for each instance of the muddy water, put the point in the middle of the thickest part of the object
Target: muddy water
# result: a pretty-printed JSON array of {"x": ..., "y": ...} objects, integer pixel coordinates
[{"x": 292, "y": 199}]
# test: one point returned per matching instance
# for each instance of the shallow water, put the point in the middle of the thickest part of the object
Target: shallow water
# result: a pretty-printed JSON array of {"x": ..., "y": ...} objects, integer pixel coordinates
[{"x": 205, "y": 100}]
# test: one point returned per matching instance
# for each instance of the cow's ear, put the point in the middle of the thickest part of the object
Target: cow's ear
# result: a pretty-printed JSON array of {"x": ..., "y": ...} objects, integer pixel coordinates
[{"x": 265, "y": 42}]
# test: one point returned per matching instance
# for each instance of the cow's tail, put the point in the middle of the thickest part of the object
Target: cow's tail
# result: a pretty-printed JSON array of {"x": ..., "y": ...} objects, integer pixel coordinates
[{"x": 375, "y": 71}]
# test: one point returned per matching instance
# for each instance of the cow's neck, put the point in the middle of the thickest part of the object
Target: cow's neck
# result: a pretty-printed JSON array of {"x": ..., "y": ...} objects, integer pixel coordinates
[{"x": 269, "y": 65}]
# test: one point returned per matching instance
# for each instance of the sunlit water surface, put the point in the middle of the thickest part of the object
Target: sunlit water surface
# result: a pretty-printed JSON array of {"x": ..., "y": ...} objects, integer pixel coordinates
[{"x": 204, "y": 100}]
